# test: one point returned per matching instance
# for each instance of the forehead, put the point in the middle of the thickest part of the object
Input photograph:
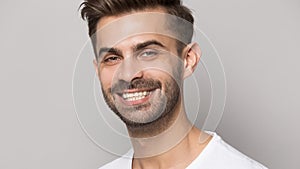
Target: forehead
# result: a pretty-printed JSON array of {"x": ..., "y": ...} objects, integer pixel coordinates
[{"x": 114, "y": 29}]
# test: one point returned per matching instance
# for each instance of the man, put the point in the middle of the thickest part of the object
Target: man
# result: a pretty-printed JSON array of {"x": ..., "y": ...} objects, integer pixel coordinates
[{"x": 143, "y": 54}]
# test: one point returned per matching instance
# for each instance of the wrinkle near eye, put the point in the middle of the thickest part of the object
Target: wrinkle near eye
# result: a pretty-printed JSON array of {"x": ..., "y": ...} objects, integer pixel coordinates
[{"x": 111, "y": 60}]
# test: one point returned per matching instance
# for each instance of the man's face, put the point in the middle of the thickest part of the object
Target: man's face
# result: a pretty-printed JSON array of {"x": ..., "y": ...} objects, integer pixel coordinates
[{"x": 140, "y": 72}]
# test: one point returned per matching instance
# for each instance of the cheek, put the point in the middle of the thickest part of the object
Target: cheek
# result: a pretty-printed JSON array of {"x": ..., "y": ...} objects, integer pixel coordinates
[
  {"x": 169, "y": 74},
  {"x": 159, "y": 67},
  {"x": 106, "y": 77}
]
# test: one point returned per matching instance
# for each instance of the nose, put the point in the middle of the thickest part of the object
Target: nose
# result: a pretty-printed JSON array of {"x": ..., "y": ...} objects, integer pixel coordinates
[{"x": 129, "y": 70}]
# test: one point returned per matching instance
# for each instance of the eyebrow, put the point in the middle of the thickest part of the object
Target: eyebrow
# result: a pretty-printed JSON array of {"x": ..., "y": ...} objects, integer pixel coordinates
[
  {"x": 114, "y": 51},
  {"x": 148, "y": 43},
  {"x": 137, "y": 47}
]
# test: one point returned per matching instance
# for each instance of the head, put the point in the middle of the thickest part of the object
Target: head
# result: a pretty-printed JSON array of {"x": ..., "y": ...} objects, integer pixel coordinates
[{"x": 140, "y": 62}]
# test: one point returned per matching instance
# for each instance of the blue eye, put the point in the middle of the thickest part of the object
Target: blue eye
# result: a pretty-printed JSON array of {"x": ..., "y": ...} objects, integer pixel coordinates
[{"x": 149, "y": 53}]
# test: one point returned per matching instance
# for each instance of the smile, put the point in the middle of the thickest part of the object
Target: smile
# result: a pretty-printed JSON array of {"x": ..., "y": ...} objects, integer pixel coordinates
[{"x": 135, "y": 95}]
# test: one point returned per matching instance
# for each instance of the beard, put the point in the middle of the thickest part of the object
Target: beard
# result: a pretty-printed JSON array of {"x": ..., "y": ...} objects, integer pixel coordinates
[{"x": 160, "y": 105}]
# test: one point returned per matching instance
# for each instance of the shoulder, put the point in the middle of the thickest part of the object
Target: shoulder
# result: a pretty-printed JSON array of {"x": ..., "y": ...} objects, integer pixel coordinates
[
  {"x": 219, "y": 154},
  {"x": 123, "y": 162}
]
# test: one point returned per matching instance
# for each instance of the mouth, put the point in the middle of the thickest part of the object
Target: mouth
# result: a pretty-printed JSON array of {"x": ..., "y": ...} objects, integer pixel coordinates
[{"x": 136, "y": 96}]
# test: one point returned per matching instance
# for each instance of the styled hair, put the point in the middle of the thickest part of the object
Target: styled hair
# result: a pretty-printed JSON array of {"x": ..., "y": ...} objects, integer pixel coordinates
[{"x": 93, "y": 10}]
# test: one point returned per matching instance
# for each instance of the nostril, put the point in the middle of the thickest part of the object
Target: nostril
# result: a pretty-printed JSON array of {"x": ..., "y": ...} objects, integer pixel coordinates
[{"x": 129, "y": 73}]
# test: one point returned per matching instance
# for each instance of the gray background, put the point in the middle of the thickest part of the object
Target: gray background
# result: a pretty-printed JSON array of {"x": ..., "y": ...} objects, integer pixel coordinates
[{"x": 258, "y": 42}]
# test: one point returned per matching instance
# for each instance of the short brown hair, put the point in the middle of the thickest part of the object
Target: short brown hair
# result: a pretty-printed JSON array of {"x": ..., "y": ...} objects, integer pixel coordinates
[{"x": 94, "y": 10}]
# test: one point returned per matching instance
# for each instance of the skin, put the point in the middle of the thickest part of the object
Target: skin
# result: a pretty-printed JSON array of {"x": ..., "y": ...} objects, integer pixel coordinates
[
  {"x": 148, "y": 68},
  {"x": 161, "y": 138}
]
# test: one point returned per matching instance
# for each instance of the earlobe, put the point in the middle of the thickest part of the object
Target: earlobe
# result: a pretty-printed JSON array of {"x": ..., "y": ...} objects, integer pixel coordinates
[{"x": 191, "y": 59}]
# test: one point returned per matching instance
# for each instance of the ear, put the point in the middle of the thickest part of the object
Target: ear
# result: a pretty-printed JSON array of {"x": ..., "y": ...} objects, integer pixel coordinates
[
  {"x": 96, "y": 66},
  {"x": 191, "y": 59}
]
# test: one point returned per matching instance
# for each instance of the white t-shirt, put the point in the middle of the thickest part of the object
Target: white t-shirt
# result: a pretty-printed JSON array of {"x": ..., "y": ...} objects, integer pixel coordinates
[{"x": 216, "y": 155}]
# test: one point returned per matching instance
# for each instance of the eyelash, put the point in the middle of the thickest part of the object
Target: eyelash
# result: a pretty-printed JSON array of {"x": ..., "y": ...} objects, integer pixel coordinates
[
  {"x": 111, "y": 59},
  {"x": 149, "y": 52}
]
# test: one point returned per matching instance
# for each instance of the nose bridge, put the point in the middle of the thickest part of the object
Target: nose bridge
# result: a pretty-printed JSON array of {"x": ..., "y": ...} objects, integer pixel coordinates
[{"x": 129, "y": 69}]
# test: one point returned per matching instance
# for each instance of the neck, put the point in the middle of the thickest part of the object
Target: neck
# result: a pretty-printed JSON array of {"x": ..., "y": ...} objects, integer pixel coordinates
[
  {"x": 177, "y": 145},
  {"x": 164, "y": 141},
  {"x": 177, "y": 155}
]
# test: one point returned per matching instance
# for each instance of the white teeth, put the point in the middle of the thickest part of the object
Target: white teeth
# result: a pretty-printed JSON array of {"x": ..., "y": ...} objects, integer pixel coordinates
[{"x": 135, "y": 96}]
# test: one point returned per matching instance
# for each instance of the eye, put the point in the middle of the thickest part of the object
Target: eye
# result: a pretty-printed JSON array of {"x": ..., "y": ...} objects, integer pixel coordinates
[
  {"x": 112, "y": 60},
  {"x": 148, "y": 53}
]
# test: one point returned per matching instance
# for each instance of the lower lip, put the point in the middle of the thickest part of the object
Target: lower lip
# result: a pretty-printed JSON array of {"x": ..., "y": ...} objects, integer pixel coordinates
[{"x": 136, "y": 102}]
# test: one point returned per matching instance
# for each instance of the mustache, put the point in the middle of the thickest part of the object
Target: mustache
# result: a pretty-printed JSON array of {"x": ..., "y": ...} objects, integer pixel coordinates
[{"x": 122, "y": 85}]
